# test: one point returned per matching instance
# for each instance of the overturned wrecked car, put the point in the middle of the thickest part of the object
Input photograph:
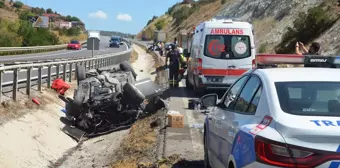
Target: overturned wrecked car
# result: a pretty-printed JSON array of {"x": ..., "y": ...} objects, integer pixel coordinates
[{"x": 109, "y": 99}]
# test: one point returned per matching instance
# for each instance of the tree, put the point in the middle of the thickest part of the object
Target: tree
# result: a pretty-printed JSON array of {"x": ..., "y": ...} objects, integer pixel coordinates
[
  {"x": 49, "y": 10},
  {"x": 18, "y": 4}
]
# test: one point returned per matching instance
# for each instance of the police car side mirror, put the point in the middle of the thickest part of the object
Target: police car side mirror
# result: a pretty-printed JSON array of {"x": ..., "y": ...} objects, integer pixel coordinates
[{"x": 209, "y": 100}]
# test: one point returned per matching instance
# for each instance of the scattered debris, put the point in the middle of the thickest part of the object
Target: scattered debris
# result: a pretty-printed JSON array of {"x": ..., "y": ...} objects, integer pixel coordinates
[
  {"x": 36, "y": 101},
  {"x": 60, "y": 86}
]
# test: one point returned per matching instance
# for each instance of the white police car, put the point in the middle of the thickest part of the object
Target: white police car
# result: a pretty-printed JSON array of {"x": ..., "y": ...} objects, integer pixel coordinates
[{"x": 277, "y": 117}]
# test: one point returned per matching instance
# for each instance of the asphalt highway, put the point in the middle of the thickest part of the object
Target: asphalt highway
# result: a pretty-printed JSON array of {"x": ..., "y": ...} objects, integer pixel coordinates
[
  {"x": 22, "y": 75},
  {"x": 63, "y": 54}
]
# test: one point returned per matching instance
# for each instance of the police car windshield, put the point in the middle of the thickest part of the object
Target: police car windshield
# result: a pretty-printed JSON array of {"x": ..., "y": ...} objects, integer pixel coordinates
[
  {"x": 309, "y": 98},
  {"x": 234, "y": 46}
]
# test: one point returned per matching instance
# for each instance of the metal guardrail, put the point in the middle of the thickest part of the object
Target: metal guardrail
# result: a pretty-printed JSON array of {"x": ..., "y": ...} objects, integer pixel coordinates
[
  {"x": 46, "y": 71},
  {"x": 49, "y": 47}
]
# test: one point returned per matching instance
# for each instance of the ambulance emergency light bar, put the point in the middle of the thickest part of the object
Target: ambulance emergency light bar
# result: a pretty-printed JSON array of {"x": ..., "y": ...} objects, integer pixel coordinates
[{"x": 307, "y": 60}]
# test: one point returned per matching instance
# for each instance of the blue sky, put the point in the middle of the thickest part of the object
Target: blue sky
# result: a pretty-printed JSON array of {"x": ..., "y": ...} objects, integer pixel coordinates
[{"x": 134, "y": 14}]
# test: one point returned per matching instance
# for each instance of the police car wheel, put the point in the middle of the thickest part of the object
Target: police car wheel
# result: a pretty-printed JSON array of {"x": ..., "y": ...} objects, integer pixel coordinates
[{"x": 206, "y": 158}]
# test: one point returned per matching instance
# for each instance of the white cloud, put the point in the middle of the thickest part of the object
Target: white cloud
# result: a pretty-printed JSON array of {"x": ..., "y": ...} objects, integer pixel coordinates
[
  {"x": 98, "y": 15},
  {"x": 124, "y": 17}
]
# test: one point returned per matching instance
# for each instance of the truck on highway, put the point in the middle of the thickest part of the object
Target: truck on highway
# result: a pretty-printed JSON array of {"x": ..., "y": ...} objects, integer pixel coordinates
[
  {"x": 95, "y": 34},
  {"x": 159, "y": 36}
]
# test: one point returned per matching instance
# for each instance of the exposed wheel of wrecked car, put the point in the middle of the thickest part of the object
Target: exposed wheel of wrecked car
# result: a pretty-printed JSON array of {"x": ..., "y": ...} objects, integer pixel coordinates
[
  {"x": 125, "y": 66},
  {"x": 133, "y": 93},
  {"x": 81, "y": 72}
]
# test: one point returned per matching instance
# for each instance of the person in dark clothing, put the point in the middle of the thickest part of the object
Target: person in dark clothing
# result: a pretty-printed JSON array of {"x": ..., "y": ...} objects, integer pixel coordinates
[
  {"x": 314, "y": 49},
  {"x": 174, "y": 57}
]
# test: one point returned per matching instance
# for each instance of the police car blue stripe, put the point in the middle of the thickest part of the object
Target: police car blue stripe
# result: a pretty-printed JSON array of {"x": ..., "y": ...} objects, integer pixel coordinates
[
  {"x": 335, "y": 164},
  {"x": 243, "y": 149}
]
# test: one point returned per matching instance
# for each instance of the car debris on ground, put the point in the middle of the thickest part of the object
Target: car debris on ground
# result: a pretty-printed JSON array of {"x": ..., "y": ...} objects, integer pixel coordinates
[{"x": 109, "y": 99}]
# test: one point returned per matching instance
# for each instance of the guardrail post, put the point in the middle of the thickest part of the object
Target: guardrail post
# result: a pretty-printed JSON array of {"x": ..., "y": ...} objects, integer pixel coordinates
[
  {"x": 70, "y": 73},
  {"x": 28, "y": 81},
  {"x": 39, "y": 79},
  {"x": 85, "y": 64},
  {"x": 15, "y": 84},
  {"x": 57, "y": 71},
  {"x": 49, "y": 72},
  {"x": 91, "y": 64},
  {"x": 64, "y": 72},
  {"x": 1, "y": 76},
  {"x": 76, "y": 71}
]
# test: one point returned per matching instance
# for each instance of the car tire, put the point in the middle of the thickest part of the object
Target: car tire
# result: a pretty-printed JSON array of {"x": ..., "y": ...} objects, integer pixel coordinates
[
  {"x": 206, "y": 157},
  {"x": 132, "y": 92},
  {"x": 125, "y": 66},
  {"x": 80, "y": 72}
]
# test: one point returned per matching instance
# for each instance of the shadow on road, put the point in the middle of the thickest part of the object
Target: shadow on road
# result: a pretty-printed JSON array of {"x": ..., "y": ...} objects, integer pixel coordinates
[{"x": 189, "y": 164}]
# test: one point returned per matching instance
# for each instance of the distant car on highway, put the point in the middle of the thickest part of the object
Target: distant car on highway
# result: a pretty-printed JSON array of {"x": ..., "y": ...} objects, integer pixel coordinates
[
  {"x": 74, "y": 44},
  {"x": 277, "y": 117},
  {"x": 115, "y": 41}
]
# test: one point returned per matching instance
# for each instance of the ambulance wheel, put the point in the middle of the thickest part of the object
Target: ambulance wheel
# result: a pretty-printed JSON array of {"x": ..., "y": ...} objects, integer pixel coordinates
[
  {"x": 187, "y": 83},
  {"x": 206, "y": 157}
]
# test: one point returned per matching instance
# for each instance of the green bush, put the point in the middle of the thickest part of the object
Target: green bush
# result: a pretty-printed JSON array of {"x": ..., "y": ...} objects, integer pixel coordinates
[
  {"x": 74, "y": 31},
  {"x": 183, "y": 13},
  {"x": 151, "y": 20},
  {"x": 223, "y": 2},
  {"x": 160, "y": 24},
  {"x": 2, "y": 4},
  {"x": 18, "y": 4},
  {"x": 21, "y": 33},
  {"x": 307, "y": 27},
  {"x": 263, "y": 48}
]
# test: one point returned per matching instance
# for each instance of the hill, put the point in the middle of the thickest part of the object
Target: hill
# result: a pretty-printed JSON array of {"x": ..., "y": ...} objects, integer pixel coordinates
[
  {"x": 277, "y": 24},
  {"x": 16, "y": 26}
]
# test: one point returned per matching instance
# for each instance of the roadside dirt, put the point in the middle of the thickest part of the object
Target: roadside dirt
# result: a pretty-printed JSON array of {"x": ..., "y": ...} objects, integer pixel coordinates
[
  {"x": 163, "y": 147},
  {"x": 30, "y": 133}
]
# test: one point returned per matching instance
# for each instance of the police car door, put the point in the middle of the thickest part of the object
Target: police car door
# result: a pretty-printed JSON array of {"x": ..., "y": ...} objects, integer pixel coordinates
[
  {"x": 239, "y": 112},
  {"x": 241, "y": 51},
  {"x": 221, "y": 124}
]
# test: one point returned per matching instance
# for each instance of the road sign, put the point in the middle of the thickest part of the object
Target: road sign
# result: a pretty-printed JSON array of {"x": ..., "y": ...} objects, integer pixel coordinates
[{"x": 41, "y": 21}]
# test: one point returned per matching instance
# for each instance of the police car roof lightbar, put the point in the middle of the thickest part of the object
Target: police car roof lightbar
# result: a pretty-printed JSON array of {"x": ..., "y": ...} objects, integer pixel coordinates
[
  {"x": 268, "y": 59},
  {"x": 307, "y": 60}
]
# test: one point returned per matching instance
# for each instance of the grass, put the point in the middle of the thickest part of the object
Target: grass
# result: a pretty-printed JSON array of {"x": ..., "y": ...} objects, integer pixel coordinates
[
  {"x": 134, "y": 56},
  {"x": 66, "y": 39},
  {"x": 138, "y": 147}
]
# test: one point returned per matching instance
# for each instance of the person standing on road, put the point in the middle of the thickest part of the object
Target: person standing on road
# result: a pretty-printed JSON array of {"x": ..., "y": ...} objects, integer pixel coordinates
[
  {"x": 314, "y": 49},
  {"x": 183, "y": 63},
  {"x": 161, "y": 51},
  {"x": 174, "y": 65}
]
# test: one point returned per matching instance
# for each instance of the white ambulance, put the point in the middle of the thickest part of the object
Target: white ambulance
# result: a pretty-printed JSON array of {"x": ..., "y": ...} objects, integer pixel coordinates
[{"x": 221, "y": 51}]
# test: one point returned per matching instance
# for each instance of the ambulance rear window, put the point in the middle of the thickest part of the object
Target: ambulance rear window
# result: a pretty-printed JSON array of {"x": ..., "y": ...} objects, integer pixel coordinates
[{"x": 227, "y": 46}]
